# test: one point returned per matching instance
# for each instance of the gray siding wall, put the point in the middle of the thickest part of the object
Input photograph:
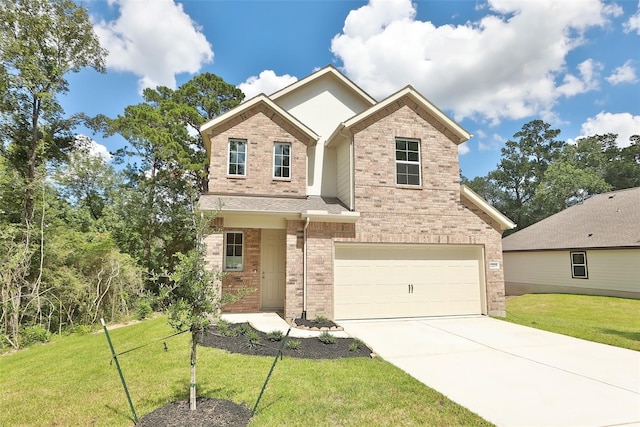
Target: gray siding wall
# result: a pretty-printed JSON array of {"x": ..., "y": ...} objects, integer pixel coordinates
[{"x": 611, "y": 272}]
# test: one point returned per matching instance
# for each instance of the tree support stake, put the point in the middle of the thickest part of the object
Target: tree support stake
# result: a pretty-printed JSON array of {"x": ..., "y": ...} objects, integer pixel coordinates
[
  {"x": 275, "y": 360},
  {"x": 124, "y": 384}
]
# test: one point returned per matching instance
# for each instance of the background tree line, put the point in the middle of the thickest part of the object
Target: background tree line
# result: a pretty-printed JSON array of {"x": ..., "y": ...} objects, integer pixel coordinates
[
  {"x": 83, "y": 238},
  {"x": 539, "y": 175}
]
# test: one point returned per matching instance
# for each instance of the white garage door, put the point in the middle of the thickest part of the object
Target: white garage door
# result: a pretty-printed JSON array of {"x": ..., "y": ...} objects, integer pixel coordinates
[{"x": 386, "y": 281}]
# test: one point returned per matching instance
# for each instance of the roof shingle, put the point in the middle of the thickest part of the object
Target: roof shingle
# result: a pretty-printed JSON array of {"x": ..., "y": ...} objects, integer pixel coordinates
[{"x": 605, "y": 220}]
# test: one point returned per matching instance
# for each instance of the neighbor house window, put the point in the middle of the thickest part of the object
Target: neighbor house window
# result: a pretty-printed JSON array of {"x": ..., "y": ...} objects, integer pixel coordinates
[
  {"x": 233, "y": 251},
  {"x": 282, "y": 160},
  {"x": 579, "y": 265},
  {"x": 407, "y": 161},
  {"x": 237, "y": 157}
]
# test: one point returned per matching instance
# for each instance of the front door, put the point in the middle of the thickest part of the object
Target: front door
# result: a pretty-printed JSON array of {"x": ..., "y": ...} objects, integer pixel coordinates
[{"x": 272, "y": 255}]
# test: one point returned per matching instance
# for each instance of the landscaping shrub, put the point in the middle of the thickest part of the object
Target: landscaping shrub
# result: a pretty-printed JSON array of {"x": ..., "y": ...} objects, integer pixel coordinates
[
  {"x": 224, "y": 328},
  {"x": 143, "y": 309},
  {"x": 253, "y": 337},
  {"x": 294, "y": 344},
  {"x": 326, "y": 338},
  {"x": 33, "y": 334},
  {"x": 275, "y": 335}
]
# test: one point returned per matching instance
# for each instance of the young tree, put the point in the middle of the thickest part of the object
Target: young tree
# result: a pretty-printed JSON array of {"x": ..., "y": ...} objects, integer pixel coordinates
[
  {"x": 195, "y": 296},
  {"x": 41, "y": 41}
]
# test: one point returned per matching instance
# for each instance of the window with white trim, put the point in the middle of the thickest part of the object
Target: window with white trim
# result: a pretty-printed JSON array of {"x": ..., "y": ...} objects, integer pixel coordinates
[
  {"x": 579, "y": 265},
  {"x": 237, "y": 165},
  {"x": 282, "y": 160},
  {"x": 233, "y": 245},
  {"x": 407, "y": 161}
]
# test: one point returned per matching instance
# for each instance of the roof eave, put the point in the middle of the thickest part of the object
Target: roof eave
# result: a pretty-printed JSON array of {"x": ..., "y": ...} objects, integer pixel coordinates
[
  {"x": 312, "y": 215},
  {"x": 329, "y": 69},
  {"x": 325, "y": 216},
  {"x": 451, "y": 124},
  {"x": 262, "y": 98},
  {"x": 504, "y": 222}
]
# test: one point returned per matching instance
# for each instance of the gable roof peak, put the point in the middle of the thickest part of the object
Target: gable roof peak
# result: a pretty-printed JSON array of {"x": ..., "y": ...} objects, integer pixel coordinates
[
  {"x": 247, "y": 105},
  {"x": 322, "y": 73},
  {"x": 409, "y": 91}
]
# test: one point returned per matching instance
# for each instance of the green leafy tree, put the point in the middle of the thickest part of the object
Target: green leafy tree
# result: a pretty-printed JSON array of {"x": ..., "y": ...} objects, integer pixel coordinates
[
  {"x": 564, "y": 184},
  {"x": 622, "y": 169},
  {"x": 170, "y": 168},
  {"x": 87, "y": 181},
  {"x": 199, "y": 100},
  {"x": 41, "y": 41},
  {"x": 487, "y": 189},
  {"x": 522, "y": 167}
]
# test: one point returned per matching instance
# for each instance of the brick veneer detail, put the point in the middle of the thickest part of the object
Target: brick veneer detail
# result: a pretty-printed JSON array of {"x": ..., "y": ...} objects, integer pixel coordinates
[
  {"x": 260, "y": 129},
  {"x": 433, "y": 213}
]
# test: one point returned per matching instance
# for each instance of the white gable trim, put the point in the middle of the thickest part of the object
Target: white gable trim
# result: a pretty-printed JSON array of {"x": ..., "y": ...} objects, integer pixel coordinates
[
  {"x": 329, "y": 69},
  {"x": 473, "y": 197},
  {"x": 247, "y": 105},
  {"x": 409, "y": 91}
]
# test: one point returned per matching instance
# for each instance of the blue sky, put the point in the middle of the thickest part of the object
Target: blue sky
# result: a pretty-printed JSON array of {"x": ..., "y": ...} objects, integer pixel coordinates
[{"x": 492, "y": 65}]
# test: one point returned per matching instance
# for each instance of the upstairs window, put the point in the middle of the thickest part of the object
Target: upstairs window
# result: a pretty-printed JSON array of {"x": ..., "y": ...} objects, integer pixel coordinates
[
  {"x": 233, "y": 251},
  {"x": 579, "y": 265},
  {"x": 237, "y": 157},
  {"x": 407, "y": 161},
  {"x": 282, "y": 160}
]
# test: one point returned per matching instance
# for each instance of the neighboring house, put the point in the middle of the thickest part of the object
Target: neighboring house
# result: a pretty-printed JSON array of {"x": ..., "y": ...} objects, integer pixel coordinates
[
  {"x": 331, "y": 203},
  {"x": 591, "y": 248}
]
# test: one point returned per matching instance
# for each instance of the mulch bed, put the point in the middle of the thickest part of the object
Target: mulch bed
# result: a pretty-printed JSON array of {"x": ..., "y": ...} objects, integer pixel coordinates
[
  {"x": 315, "y": 324},
  {"x": 310, "y": 348},
  {"x": 212, "y": 412},
  {"x": 208, "y": 413}
]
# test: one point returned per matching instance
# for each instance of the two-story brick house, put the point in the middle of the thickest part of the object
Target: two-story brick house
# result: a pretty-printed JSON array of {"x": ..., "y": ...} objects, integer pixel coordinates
[{"x": 331, "y": 203}]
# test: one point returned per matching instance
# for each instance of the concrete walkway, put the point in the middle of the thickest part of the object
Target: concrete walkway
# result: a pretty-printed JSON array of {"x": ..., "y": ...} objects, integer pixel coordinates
[
  {"x": 269, "y": 322},
  {"x": 512, "y": 375}
]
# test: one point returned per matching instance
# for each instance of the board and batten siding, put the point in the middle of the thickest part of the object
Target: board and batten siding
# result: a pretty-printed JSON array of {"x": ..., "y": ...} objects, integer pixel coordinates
[
  {"x": 343, "y": 173},
  {"x": 321, "y": 105},
  {"x": 612, "y": 272}
]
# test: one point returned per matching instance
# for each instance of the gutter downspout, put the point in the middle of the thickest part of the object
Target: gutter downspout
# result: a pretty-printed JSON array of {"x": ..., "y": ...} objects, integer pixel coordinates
[
  {"x": 304, "y": 270},
  {"x": 352, "y": 184}
]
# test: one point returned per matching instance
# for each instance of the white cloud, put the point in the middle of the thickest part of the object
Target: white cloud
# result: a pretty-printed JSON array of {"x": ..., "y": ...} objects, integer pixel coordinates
[
  {"x": 94, "y": 149},
  {"x": 463, "y": 148},
  {"x": 589, "y": 72},
  {"x": 624, "y": 74},
  {"x": 154, "y": 39},
  {"x": 624, "y": 124},
  {"x": 267, "y": 82},
  {"x": 490, "y": 143},
  {"x": 510, "y": 64},
  {"x": 633, "y": 24}
]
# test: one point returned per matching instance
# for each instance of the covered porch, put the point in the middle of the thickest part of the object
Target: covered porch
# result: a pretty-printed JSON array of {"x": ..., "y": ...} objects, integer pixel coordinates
[{"x": 262, "y": 243}]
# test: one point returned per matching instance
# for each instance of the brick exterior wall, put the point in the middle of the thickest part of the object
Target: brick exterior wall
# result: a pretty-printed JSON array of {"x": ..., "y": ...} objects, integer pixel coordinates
[
  {"x": 293, "y": 300},
  {"x": 432, "y": 213},
  {"x": 260, "y": 128},
  {"x": 249, "y": 277}
]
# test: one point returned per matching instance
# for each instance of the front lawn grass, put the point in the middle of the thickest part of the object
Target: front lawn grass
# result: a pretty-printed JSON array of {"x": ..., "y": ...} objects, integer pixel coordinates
[
  {"x": 70, "y": 381},
  {"x": 607, "y": 320}
]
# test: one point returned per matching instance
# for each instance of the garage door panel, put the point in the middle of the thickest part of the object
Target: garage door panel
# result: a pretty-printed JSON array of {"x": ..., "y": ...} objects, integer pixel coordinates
[{"x": 374, "y": 280}]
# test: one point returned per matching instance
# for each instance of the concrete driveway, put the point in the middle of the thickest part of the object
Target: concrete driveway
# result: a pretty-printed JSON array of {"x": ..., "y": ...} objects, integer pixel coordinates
[{"x": 512, "y": 375}]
